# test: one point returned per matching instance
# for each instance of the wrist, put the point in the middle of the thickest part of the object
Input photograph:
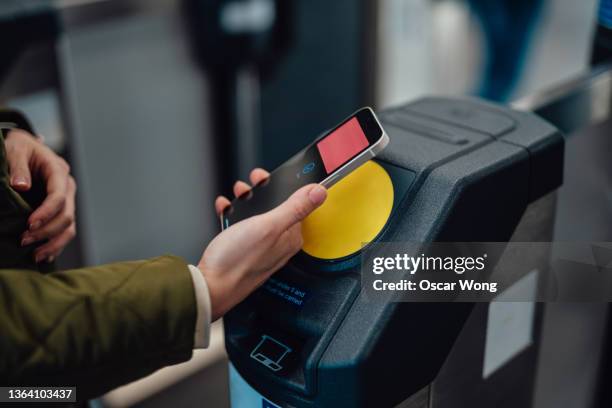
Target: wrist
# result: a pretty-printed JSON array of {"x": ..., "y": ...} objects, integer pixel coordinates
[{"x": 216, "y": 291}]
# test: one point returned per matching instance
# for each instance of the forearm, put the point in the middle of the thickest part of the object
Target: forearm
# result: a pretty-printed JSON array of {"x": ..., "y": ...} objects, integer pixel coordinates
[{"x": 95, "y": 327}]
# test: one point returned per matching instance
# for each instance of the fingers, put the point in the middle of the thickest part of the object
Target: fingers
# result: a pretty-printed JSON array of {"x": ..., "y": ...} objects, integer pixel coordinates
[
  {"x": 57, "y": 180},
  {"x": 18, "y": 158},
  {"x": 60, "y": 230},
  {"x": 59, "y": 223},
  {"x": 258, "y": 175},
  {"x": 55, "y": 246},
  {"x": 221, "y": 203},
  {"x": 298, "y": 206},
  {"x": 53, "y": 220},
  {"x": 240, "y": 187}
]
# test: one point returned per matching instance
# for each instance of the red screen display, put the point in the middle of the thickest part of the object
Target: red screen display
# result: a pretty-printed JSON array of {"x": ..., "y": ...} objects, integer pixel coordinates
[{"x": 342, "y": 144}]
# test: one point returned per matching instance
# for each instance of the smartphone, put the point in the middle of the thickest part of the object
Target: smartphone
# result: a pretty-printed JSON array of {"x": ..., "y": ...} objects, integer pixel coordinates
[{"x": 327, "y": 160}]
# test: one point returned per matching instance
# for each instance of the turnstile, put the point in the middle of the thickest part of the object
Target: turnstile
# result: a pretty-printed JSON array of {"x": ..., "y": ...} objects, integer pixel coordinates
[{"x": 461, "y": 170}]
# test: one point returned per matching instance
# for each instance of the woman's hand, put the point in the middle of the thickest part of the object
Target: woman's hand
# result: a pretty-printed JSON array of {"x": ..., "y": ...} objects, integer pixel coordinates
[
  {"x": 54, "y": 220},
  {"x": 246, "y": 254}
]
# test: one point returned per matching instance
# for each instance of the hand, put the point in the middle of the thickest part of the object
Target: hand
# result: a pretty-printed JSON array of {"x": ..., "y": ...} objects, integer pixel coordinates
[
  {"x": 246, "y": 254},
  {"x": 54, "y": 220}
]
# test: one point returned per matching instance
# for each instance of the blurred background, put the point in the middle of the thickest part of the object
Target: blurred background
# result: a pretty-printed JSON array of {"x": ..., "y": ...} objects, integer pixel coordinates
[{"x": 160, "y": 104}]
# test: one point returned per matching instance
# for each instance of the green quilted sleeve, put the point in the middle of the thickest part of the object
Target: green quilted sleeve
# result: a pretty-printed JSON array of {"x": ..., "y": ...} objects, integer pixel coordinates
[{"x": 97, "y": 327}]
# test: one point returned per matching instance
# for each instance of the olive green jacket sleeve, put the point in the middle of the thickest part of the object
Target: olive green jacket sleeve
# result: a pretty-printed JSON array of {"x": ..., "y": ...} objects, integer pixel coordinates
[{"x": 95, "y": 328}]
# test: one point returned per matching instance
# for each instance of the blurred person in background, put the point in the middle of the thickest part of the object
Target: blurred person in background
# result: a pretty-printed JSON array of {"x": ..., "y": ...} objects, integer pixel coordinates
[
  {"x": 507, "y": 27},
  {"x": 100, "y": 327},
  {"x": 602, "y": 43}
]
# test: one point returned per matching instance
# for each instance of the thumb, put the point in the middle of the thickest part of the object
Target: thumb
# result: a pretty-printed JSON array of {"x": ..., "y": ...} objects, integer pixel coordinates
[
  {"x": 298, "y": 206},
  {"x": 18, "y": 163}
]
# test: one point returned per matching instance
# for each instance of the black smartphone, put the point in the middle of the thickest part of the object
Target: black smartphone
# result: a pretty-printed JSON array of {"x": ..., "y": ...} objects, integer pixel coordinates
[{"x": 328, "y": 159}]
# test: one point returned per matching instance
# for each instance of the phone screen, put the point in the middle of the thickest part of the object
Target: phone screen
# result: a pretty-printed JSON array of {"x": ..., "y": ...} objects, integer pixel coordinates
[
  {"x": 314, "y": 164},
  {"x": 342, "y": 144}
]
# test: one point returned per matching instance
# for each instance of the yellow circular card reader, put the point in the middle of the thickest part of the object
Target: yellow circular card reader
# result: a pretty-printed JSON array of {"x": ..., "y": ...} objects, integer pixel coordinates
[{"x": 355, "y": 212}]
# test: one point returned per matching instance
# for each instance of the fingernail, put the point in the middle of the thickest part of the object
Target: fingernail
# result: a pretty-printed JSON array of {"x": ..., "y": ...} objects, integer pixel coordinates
[
  {"x": 27, "y": 241},
  {"x": 39, "y": 258},
  {"x": 19, "y": 181},
  {"x": 50, "y": 259},
  {"x": 35, "y": 225},
  {"x": 317, "y": 195}
]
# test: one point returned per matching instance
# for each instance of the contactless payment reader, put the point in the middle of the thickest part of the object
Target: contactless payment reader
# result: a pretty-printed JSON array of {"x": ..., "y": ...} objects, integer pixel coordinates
[{"x": 455, "y": 170}]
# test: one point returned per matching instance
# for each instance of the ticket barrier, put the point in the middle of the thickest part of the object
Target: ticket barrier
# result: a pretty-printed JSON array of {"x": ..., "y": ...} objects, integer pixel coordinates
[{"x": 457, "y": 170}]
